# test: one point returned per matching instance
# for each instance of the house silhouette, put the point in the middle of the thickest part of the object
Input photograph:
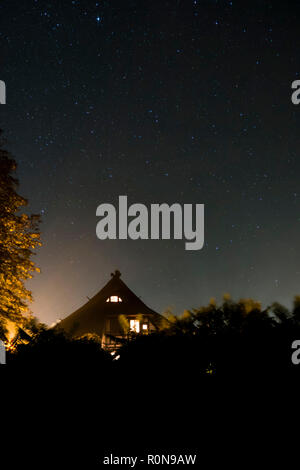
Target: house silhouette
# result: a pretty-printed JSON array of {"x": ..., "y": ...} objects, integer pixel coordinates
[{"x": 112, "y": 314}]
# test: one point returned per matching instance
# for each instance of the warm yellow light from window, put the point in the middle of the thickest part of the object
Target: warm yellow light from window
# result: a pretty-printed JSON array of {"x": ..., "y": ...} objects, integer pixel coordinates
[
  {"x": 114, "y": 298},
  {"x": 134, "y": 326}
]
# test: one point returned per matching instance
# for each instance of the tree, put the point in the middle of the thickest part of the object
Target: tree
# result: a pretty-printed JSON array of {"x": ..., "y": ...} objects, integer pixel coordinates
[
  {"x": 52, "y": 347},
  {"x": 19, "y": 236}
]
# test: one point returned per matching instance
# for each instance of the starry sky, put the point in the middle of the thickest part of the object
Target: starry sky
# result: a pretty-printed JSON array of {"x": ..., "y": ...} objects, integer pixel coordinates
[{"x": 183, "y": 101}]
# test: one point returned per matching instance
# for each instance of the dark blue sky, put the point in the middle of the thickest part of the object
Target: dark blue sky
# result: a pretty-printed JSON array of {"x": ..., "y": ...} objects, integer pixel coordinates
[{"x": 162, "y": 101}]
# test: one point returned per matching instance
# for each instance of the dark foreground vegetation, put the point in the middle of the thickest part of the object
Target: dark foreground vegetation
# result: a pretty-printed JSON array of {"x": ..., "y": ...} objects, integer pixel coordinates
[
  {"x": 169, "y": 392},
  {"x": 233, "y": 340}
]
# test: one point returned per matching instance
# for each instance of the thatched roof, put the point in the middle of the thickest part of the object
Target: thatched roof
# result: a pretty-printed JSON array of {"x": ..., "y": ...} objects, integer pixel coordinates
[{"x": 90, "y": 318}]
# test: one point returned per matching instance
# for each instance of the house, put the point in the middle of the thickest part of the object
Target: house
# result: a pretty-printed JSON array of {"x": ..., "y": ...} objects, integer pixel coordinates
[{"x": 113, "y": 314}]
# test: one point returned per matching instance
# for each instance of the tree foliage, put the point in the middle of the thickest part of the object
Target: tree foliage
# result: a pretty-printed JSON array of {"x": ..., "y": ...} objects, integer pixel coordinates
[
  {"x": 232, "y": 340},
  {"x": 51, "y": 347},
  {"x": 19, "y": 236}
]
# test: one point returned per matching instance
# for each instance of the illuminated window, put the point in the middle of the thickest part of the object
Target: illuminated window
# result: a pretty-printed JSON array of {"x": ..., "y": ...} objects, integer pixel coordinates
[
  {"x": 134, "y": 326},
  {"x": 145, "y": 326},
  {"x": 114, "y": 298}
]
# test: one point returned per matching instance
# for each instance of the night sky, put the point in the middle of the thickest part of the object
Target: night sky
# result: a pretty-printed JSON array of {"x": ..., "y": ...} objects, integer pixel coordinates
[{"x": 163, "y": 101}]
